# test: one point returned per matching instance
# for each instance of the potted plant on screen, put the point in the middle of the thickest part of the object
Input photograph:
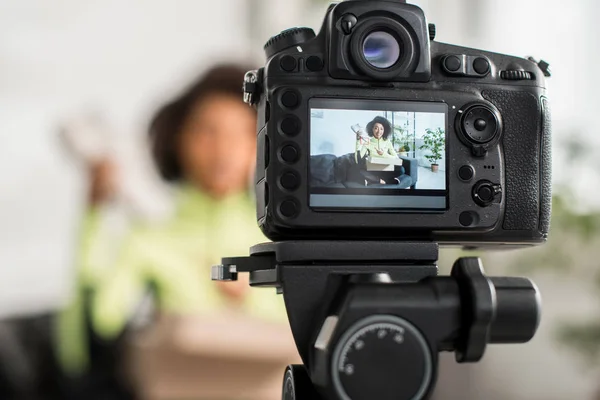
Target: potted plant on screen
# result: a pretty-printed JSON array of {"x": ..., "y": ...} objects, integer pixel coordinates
[
  {"x": 401, "y": 141},
  {"x": 406, "y": 146},
  {"x": 434, "y": 141},
  {"x": 397, "y": 140}
]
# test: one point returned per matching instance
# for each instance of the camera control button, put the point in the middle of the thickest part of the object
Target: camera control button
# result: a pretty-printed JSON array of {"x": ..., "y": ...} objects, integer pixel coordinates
[
  {"x": 314, "y": 63},
  {"x": 288, "y": 63},
  {"x": 452, "y": 63},
  {"x": 481, "y": 65},
  {"x": 480, "y": 124},
  {"x": 289, "y": 154},
  {"x": 348, "y": 22},
  {"x": 466, "y": 173},
  {"x": 290, "y": 181},
  {"x": 290, "y": 125},
  {"x": 288, "y": 208},
  {"x": 290, "y": 99},
  {"x": 468, "y": 218},
  {"x": 484, "y": 192}
]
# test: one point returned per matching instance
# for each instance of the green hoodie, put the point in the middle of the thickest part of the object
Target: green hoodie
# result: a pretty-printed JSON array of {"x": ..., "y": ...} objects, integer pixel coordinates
[
  {"x": 374, "y": 144},
  {"x": 175, "y": 257}
]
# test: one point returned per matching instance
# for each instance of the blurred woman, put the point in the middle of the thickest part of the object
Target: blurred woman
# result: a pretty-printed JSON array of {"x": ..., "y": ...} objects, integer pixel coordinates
[{"x": 204, "y": 142}]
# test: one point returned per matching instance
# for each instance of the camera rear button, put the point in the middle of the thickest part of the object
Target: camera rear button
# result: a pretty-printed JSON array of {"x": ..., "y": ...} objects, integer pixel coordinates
[
  {"x": 290, "y": 125},
  {"x": 480, "y": 124},
  {"x": 314, "y": 63},
  {"x": 466, "y": 173},
  {"x": 468, "y": 218},
  {"x": 485, "y": 192},
  {"x": 289, "y": 154},
  {"x": 481, "y": 65},
  {"x": 290, "y": 99},
  {"x": 288, "y": 208},
  {"x": 287, "y": 63},
  {"x": 289, "y": 181},
  {"x": 452, "y": 63}
]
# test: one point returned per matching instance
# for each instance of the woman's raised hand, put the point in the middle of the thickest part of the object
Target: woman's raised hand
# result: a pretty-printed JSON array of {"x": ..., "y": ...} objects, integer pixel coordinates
[{"x": 103, "y": 178}]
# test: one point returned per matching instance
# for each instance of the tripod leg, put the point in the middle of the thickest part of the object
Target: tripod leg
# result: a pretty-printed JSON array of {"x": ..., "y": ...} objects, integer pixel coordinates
[{"x": 297, "y": 384}]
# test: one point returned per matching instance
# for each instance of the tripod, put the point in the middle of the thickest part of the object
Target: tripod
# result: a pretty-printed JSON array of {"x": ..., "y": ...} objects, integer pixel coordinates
[{"x": 369, "y": 317}]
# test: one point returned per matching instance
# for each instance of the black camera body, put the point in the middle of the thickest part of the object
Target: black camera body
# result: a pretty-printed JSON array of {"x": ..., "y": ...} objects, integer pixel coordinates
[{"x": 372, "y": 130}]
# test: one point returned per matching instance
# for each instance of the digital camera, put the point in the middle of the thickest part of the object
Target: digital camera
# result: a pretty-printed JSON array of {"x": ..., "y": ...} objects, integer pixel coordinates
[{"x": 371, "y": 130}]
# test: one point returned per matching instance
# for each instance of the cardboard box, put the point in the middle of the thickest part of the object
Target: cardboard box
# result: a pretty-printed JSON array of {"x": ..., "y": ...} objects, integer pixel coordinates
[
  {"x": 382, "y": 163},
  {"x": 220, "y": 357}
]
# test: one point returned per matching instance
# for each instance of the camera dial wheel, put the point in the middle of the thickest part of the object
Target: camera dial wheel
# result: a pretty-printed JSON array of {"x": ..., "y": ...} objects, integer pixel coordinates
[
  {"x": 286, "y": 39},
  {"x": 382, "y": 357}
]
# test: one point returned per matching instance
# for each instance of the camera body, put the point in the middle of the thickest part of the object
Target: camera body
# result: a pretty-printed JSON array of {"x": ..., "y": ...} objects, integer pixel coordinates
[{"x": 371, "y": 130}]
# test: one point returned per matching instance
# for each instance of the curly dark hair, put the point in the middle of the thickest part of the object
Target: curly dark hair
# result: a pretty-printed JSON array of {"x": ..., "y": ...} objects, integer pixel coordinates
[
  {"x": 387, "y": 127},
  {"x": 167, "y": 123}
]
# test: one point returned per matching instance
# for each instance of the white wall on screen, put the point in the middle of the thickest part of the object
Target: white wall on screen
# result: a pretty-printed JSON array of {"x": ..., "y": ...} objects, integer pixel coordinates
[{"x": 331, "y": 134}]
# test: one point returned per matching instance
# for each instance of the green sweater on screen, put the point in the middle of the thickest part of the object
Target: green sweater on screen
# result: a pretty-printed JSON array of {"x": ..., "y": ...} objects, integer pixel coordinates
[
  {"x": 374, "y": 144},
  {"x": 175, "y": 258}
]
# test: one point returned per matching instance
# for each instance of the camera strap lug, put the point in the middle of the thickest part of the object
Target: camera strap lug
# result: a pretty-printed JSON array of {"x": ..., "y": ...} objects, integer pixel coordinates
[{"x": 251, "y": 87}]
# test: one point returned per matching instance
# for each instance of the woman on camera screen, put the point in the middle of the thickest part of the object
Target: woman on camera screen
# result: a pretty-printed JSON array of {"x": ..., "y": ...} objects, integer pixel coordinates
[{"x": 378, "y": 145}]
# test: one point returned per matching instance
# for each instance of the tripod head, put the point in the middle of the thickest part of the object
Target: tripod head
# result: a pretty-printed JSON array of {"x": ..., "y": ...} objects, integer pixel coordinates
[{"x": 370, "y": 317}]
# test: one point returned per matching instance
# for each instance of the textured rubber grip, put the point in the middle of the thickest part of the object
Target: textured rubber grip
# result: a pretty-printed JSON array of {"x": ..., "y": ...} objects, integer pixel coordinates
[
  {"x": 546, "y": 168},
  {"x": 521, "y": 141}
]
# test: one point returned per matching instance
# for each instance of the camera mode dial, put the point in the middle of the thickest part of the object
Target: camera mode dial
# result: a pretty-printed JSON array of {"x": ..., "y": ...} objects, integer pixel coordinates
[{"x": 287, "y": 38}]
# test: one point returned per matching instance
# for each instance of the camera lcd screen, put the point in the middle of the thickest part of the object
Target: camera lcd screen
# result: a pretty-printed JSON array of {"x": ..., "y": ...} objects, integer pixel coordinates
[{"x": 370, "y": 154}]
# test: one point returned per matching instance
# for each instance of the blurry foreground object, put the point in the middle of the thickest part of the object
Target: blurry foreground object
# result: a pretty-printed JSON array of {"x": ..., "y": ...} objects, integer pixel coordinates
[
  {"x": 204, "y": 143},
  {"x": 227, "y": 356},
  {"x": 88, "y": 363},
  {"x": 86, "y": 136},
  {"x": 93, "y": 143}
]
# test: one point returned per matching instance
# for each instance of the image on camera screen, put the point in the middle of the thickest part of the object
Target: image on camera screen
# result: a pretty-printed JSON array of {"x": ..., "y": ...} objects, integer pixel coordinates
[{"x": 370, "y": 154}]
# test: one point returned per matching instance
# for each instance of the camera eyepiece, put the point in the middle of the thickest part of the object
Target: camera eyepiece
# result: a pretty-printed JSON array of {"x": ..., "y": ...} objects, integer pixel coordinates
[
  {"x": 381, "y": 49},
  {"x": 384, "y": 48}
]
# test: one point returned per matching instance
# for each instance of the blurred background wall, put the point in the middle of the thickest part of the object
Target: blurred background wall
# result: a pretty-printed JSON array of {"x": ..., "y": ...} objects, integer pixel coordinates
[
  {"x": 58, "y": 58},
  {"x": 67, "y": 57}
]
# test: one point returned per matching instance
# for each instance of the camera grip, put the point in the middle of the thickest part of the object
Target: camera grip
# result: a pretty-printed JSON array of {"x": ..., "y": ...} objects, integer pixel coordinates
[
  {"x": 546, "y": 167},
  {"x": 521, "y": 113}
]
